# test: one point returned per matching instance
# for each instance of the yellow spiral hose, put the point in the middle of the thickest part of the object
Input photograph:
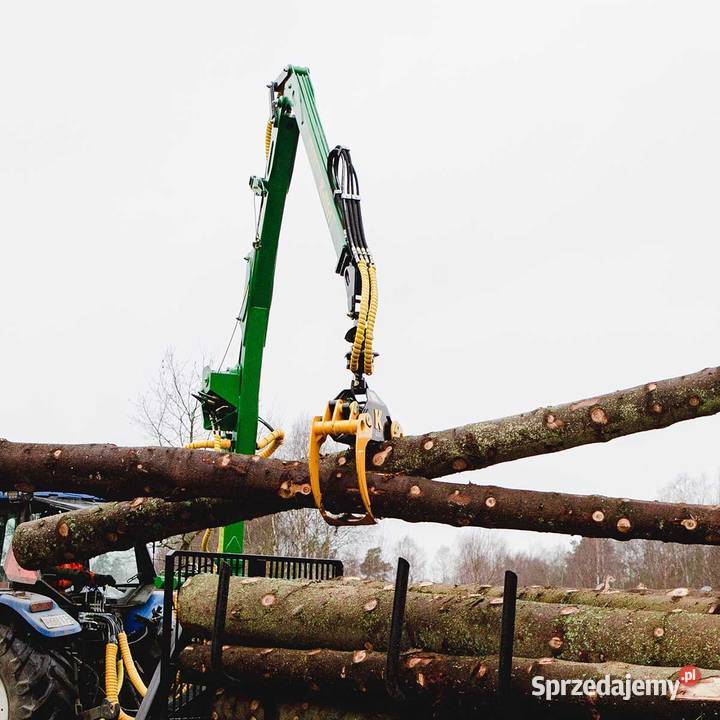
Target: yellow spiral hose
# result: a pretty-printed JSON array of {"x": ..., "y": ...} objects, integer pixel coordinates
[
  {"x": 270, "y": 443},
  {"x": 372, "y": 315},
  {"x": 111, "y": 679},
  {"x": 362, "y": 316},
  {"x": 268, "y": 137},
  {"x": 132, "y": 672}
]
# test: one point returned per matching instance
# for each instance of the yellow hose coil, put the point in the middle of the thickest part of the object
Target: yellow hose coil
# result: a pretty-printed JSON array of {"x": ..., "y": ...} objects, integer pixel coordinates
[
  {"x": 270, "y": 443},
  {"x": 132, "y": 672},
  {"x": 268, "y": 137},
  {"x": 217, "y": 443},
  {"x": 265, "y": 448},
  {"x": 362, "y": 316},
  {"x": 111, "y": 678},
  {"x": 205, "y": 539},
  {"x": 372, "y": 315}
]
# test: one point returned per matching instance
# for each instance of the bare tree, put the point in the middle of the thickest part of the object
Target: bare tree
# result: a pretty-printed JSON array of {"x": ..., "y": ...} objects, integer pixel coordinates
[
  {"x": 167, "y": 411},
  {"x": 481, "y": 558},
  {"x": 170, "y": 415},
  {"x": 407, "y": 547}
]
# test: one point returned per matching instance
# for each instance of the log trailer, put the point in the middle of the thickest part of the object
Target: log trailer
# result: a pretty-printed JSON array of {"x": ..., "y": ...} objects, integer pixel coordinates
[{"x": 356, "y": 416}]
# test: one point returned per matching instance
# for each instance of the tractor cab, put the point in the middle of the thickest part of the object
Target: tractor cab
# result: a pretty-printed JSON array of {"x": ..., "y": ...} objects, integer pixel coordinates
[{"x": 69, "y": 615}]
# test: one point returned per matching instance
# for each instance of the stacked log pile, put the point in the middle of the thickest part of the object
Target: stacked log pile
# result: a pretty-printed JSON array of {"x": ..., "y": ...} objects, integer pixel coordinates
[{"x": 324, "y": 644}]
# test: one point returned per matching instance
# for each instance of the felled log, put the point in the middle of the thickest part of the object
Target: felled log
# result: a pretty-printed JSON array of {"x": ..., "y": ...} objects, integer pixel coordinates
[
  {"x": 451, "y": 686},
  {"x": 121, "y": 473},
  {"x": 81, "y": 534},
  {"x": 600, "y": 418},
  {"x": 173, "y": 473},
  {"x": 346, "y": 615},
  {"x": 639, "y": 599},
  {"x": 409, "y": 498},
  {"x": 232, "y": 705}
]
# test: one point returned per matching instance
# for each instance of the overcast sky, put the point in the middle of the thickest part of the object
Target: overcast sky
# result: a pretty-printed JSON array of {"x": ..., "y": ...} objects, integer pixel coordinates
[{"x": 540, "y": 188}]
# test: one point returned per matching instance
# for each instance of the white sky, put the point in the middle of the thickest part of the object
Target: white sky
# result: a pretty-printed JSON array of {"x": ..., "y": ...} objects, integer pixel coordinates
[{"x": 539, "y": 182}]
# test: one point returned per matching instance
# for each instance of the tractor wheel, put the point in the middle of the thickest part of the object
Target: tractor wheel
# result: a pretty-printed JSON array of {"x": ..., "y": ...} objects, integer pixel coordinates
[{"x": 35, "y": 684}]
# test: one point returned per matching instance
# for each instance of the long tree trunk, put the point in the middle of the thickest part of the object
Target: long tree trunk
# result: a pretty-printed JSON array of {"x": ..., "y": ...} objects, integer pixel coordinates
[
  {"x": 82, "y": 534},
  {"x": 408, "y": 498},
  {"x": 274, "y": 485},
  {"x": 452, "y": 686},
  {"x": 639, "y": 599},
  {"x": 350, "y": 615},
  {"x": 599, "y": 419}
]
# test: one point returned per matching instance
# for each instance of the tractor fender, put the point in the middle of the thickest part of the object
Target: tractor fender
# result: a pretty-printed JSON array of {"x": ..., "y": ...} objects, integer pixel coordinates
[
  {"x": 40, "y": 613},
  {"x": 145, "y": 611}
]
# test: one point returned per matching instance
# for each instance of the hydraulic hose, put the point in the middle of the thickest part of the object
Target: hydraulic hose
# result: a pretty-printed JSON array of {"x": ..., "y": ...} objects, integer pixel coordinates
[
  {"x": 129, "y": 663},
  {"x": 111, "y": 679}
]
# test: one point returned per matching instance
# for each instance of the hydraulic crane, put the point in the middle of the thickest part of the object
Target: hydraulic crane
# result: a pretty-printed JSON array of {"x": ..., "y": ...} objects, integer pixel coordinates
[{"x": 356, "y": 416}]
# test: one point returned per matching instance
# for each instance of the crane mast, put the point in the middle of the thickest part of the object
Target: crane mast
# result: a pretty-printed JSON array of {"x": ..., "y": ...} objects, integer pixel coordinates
[{"x": 230, "y": 397}]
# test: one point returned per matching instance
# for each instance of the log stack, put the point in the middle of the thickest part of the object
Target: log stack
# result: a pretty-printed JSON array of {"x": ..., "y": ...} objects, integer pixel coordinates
[{"x": 323, "y": 645}]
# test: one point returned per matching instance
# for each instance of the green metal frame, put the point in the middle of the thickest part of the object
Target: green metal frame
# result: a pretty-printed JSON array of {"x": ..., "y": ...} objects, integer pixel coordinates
[{"x": 294, "y": 114}]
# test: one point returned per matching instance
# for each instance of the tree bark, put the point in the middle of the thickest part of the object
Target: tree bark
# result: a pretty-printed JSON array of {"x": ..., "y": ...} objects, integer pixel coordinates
[
  {"x": 274, "y": 485},
  {"x": 408, "y": 498},
  {"x": 346, "y": 615},
  {"x": 81, "y": 534},
  {"x": 232, "y": 705},
  {"x": 452, "y": 686},
  {"x": 673, "y": 600},
  {"x": 599, "y": 419}
]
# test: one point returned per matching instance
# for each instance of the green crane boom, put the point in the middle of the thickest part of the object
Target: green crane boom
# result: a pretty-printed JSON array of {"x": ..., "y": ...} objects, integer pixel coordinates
[{"x": 230, "y": 398}]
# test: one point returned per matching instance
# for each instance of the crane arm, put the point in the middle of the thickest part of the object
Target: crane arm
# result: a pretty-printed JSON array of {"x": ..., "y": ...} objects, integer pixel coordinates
[{"x": 230, "y": 398}]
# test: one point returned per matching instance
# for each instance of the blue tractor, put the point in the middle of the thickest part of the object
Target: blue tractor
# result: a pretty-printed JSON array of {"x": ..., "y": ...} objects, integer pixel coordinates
[{"x": 82, "y": 640}]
